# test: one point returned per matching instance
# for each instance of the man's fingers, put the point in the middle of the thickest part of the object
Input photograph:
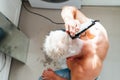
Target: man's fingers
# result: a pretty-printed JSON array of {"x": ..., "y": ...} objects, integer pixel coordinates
[
  {"x": 77, "y": 25},
  {"x": 72, "y": 31},
  {"x": 44, "y": 72},
  {"x": 66, "y": 27},
  {"x": 72, "y": 27},
  {"x": 69, "y": 29},
  {"x": 49, "y": 69},
  {"x": 45, "y": 78}
]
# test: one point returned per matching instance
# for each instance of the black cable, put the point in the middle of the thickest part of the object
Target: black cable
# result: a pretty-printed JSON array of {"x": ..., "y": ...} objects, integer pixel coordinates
[{"x": 40, "y": 14}]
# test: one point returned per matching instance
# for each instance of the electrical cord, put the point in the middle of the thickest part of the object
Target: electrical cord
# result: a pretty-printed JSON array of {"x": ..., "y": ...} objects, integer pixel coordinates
[{"x": 40, "y": 15}]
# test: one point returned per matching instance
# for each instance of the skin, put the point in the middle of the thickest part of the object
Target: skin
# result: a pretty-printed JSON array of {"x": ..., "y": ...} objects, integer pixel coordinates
[{"x": 88, "y": 64}]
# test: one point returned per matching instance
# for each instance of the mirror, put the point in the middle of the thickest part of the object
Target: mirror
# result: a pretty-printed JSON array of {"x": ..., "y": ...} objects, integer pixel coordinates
[{"x": 12, "y": 41}]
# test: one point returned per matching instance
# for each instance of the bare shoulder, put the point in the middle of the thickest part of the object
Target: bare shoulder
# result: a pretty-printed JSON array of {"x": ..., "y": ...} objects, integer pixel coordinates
[
  {"x": 102, "y": 41},
  {"x": 99, "y": 44}
]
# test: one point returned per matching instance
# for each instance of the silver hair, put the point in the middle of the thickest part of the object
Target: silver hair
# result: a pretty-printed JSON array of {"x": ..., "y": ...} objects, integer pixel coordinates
[{"x": 58, "y": 44}]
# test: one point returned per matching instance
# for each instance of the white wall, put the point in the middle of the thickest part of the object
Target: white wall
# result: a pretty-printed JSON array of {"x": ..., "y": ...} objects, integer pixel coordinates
[
  {"x": 11, "y": 9},
  {"x": 101, "y": 2}
]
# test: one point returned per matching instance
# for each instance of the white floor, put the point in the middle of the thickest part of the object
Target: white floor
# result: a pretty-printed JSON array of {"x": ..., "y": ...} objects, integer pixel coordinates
[{"x": 36, "y": 28}]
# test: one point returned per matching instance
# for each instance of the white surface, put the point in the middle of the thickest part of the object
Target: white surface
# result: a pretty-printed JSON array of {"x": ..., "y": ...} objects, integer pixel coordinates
[
  {"x": 77, "y": 3},
  {"x": 11, "y": 9},
  {"x": 43, "y": 4},
  {"x": 2, "y": 61},
  {"x": 5, "y": 71},
  {"x": 101, "y": 2}
]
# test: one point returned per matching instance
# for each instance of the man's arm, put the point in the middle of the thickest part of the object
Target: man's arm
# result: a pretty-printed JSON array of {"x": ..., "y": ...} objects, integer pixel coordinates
[
  {"x": 68, "y": 13},
  {"x": 69, "y": 17},
  {"x": 73, "y": 18}
]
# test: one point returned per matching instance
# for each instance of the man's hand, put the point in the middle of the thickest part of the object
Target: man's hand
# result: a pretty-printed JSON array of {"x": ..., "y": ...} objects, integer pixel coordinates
[
  {"x": 49, "y": 74},
  {"x": 72, "y": 26}
]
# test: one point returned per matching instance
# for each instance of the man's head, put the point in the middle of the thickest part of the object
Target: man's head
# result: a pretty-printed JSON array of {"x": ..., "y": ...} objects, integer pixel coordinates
[{"x": 58, "y": 44}]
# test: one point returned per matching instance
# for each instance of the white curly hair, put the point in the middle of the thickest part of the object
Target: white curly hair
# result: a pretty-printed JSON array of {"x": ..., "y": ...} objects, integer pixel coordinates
[{"x": 58, "y": 44}]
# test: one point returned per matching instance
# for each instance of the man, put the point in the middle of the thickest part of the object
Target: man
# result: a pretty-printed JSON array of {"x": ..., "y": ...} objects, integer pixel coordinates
[{"x": 88, "y": 63}]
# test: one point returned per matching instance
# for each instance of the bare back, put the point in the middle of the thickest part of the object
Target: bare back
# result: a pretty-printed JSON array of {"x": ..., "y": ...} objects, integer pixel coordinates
[{"x": 88, "y": 65}]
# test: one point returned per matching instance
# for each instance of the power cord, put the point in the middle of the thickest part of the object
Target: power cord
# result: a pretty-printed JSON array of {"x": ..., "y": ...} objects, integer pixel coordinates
[{"x": 40, "y": 15}]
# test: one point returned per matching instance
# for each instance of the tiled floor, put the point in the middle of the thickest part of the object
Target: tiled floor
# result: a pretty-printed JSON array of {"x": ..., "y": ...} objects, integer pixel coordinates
[{"x": 36, "y": 28}]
